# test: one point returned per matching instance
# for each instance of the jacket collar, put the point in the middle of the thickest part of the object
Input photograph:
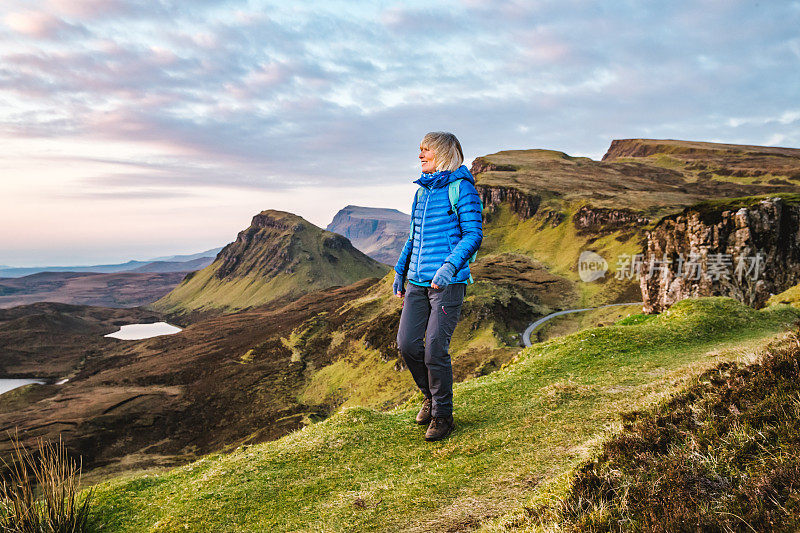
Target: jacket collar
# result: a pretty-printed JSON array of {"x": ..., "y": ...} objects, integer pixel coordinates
[{"x": 442, "y": 178}]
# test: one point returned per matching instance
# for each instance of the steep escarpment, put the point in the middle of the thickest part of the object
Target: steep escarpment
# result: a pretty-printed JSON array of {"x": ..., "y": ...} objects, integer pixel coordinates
[
  {"x": 521, "y": 204},
  {"x": 655, "y": 177},
  {"x": 279, "y": 257},
  {"x": 746, "y": 248},
  {"x": 379, "y": 233}
]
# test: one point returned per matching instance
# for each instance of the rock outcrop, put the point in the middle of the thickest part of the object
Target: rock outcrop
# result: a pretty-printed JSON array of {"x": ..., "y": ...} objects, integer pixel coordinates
[
  {"x": 601, "y": 220},
  {"x": 522, "y": 204},
  {"x": 745, "y": 248},
  {"x": 379, "y": 233}
]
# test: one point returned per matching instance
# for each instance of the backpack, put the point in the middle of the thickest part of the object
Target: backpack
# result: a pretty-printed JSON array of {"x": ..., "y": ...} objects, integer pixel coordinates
[{"x": 453, "y": 194}]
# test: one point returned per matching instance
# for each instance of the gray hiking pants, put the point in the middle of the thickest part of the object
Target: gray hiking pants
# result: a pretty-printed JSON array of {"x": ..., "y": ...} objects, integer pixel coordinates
[{"x": 427, "y": 322}]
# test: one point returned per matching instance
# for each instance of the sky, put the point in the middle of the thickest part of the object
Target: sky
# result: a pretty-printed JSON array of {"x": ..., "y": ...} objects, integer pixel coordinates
[{"x": 134, "y": 129}]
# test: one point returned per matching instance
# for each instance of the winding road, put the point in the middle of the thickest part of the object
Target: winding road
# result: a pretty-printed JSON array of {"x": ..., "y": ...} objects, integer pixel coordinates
[{"x": 526, "y": 336}]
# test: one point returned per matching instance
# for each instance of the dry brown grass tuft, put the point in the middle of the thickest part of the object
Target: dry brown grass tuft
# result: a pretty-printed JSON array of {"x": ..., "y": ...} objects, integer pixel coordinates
[{"x": 40, "y": 491}]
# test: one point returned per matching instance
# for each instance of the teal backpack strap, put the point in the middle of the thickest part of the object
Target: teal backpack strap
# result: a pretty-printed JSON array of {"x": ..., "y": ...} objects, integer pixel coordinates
[{"x": 453, "y": 192}]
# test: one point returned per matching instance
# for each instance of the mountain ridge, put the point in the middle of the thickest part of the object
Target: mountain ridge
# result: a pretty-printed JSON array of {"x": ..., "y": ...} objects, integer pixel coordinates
[{"x": 280, "y": 256}]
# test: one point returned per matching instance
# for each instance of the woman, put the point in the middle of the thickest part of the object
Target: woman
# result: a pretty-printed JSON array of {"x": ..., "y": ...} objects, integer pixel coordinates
[{"x": 446, "y": 231}]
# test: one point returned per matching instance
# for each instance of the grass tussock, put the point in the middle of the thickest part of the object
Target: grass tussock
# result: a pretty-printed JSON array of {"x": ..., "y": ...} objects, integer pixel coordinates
[
  {"x": 724, "y": 455},
  {"x": 39, "y": 491}
]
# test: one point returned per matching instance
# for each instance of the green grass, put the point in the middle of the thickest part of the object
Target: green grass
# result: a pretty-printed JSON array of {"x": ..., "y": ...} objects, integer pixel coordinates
[
  {"x": 361, "y": 378},
  {"x": 573, "y": 322},
  {"x": 518, "y": 429},
  {"x": 789, "y": 296}
]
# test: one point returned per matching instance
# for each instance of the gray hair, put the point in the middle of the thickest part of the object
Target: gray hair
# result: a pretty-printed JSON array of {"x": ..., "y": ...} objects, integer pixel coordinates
[{"x": 446, "y": 147}]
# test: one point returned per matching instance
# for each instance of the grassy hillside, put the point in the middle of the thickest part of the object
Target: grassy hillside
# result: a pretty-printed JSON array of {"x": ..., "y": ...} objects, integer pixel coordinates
[
  {"x": 724, "y": 455},
  {"x": 702, "y": 161},
  {"x": 559, "y": 247},
  {"x": 519, "y": 433}
]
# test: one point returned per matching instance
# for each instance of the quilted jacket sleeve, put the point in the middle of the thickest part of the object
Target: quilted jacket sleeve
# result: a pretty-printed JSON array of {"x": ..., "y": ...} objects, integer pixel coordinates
[
  {"x": 402, "y": 262},
  {"x": 471, "y": 223},
  {"x": 401, "y": 267}
]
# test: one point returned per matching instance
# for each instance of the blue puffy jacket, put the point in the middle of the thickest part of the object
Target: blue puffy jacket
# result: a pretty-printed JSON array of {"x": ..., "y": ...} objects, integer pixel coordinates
[{"x": 439, "y": 234}]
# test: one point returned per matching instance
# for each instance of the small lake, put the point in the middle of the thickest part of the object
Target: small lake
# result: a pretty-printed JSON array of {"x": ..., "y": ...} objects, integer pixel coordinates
[
  {"x": 135, "y": 332},
  {"x": 11, "y": 384}
]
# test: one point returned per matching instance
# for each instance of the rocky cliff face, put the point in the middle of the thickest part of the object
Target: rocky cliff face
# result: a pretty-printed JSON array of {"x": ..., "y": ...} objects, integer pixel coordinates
[
  {"x": 482, "y": 164},
  {"x": 379, "y": 233},
  {"x": 601, "y": 220},
  {"x": 523, "y": 204},
  {"x": 746, "y": 248}
]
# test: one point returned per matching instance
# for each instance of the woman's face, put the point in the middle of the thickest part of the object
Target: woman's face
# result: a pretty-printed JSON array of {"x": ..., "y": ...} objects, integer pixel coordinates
[{"x": 427, "y": 157}]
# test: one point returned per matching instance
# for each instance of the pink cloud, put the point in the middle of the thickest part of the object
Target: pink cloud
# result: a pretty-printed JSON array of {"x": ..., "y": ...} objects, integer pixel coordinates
[
  {"x": 36, "y": 24},
  {"x": 86, "y": 9}
]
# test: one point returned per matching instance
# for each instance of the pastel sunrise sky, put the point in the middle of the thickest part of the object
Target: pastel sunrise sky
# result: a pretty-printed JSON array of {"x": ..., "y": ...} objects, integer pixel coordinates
[{"x": 134, "y": 129}]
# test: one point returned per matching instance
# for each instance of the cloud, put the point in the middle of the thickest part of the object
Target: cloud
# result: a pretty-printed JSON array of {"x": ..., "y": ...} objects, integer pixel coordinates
[
  {"x": 255, "y": 94},
  {"x": 124, "y": 194},
  {"x": 41, "y": 25}
]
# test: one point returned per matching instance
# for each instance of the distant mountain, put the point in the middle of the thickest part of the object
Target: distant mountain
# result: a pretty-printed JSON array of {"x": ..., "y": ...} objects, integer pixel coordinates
[
  {"x": 176, "y": 266},
  {"x": 110, "y": 289},
  {"x": 379, "y": 233},
  {"x": 16, "y": 272},
  {"x": 279, "y": 257},
  {"x": 189, "y": 257}
]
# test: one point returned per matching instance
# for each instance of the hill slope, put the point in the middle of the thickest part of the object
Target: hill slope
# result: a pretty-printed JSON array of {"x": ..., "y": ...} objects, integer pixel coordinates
[
  {"x": 724, "y": 455},
  {"x": 519, "y": 430},
  {"x": 279, "y": 257},
  {"x": 737, "y": 163}
]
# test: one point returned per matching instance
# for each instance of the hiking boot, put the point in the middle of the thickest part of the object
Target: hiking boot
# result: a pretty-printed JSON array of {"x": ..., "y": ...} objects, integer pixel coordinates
[
  {"x": 424, "y": 415},
  {"x": 440, "y": 427}
]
